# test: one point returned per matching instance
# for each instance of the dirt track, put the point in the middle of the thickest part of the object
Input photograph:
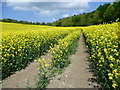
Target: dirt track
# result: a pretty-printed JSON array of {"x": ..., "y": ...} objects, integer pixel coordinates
[
  {"x": 25, "y": 77},
  {"x": 76, "y": 75}
]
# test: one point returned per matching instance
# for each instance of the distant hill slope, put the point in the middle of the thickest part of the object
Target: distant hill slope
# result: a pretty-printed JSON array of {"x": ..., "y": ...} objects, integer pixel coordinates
[{"x": 104, "y": 13}]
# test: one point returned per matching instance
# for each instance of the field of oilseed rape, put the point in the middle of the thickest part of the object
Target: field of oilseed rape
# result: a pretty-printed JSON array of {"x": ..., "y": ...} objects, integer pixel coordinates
[
  {"x": 21, "y": 44},
  {"x": 59, "y": 55},
  {"x": 103, "y": 43}
]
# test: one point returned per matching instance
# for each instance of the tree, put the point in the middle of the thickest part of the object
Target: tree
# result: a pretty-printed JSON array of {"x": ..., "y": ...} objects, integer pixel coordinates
[
  {"x": 43, "y": 23},
  {"x": 58, "y": 23},
  {"x": 109, "y": 14},
  {"x": 102, "y": 9},
  {"x": 37, "y": 23},
  {"x": 117, "y": 10}
]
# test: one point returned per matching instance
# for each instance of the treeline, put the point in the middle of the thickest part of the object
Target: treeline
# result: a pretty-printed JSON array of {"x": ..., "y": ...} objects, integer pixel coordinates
[
  {"x": 22, "y": 22},
  {"x": 104, "y": 13}
]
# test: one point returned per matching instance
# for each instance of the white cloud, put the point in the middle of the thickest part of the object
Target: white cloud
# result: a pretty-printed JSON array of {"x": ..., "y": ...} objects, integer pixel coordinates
[
  {"x": 47, "y": 8},
  {"x": 81, "y": 10},
  {"x": 46, "y": 12},
  {"x": 58, "y": 0},
  {"x": 53, "y": 19},
  {"x": 47, "y": 0},
  {"x": 65, "y": 15},
  {"x": 74, "y": 13}
]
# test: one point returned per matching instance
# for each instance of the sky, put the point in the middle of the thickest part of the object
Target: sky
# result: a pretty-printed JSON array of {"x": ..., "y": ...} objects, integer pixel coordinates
[{"x": 36, "y": 11}]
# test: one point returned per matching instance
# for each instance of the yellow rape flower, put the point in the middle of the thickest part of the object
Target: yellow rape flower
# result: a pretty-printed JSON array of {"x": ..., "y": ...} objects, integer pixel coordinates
[
  {"x": 10, "y": 63},
  {"x": 114, "y": 85},
  {"x": 110, "y": 77},
  {"x": 43, "y": 73},
  {"x": 46, "y": 65},
  {"x": 38, "y": 68},
  {"x": 111, "y": 65},
  {"x": 110, "y": 74},
  {"x": 114, "y": 71}
]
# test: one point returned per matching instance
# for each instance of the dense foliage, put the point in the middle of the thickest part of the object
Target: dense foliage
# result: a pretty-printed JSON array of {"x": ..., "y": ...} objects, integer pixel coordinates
[
  {"x": 23, "y": 43},
  {"x": 104, "y": 13},
  {"x": 21, "y": 21},
  {"x": 103, "y": 42}
]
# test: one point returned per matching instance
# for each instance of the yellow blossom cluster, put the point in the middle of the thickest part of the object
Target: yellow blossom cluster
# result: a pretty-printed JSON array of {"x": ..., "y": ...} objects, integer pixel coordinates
[
  {"x": 59, "y": 54},
  {"x": 103, "y": 41},
  {"x": 65, "y": 47},
  {"x": 22, "y": 43}
]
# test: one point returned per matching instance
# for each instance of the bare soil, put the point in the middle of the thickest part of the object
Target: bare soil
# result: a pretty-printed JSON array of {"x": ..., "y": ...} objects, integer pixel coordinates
[
  {"x": 77, "y": 74},
  {"x": 25, "y": 77}
]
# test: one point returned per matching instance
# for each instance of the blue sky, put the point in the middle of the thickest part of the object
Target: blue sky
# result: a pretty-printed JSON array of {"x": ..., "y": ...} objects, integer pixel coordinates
[{"x": 46, "y": 11}]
